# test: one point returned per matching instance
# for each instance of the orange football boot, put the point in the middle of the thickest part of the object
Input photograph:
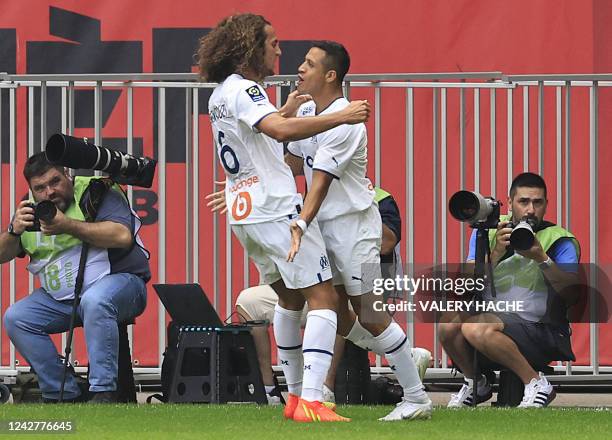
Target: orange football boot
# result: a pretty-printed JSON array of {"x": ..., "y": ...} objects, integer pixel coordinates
[
  {"x": 309, "y": 412},
  {"x": 292, "y": 401}
]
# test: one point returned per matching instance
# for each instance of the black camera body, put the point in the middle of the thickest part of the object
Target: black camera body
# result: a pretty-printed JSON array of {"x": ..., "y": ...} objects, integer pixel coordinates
[
  {"x": 522, "y": 236},
  {"x": 44, "y": 210}
]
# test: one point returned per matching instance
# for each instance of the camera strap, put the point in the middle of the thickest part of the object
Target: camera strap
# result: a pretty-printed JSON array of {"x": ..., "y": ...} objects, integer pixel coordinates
[
  {"x": 96, "y": 190},
  {"x": 94, "y": 196}
]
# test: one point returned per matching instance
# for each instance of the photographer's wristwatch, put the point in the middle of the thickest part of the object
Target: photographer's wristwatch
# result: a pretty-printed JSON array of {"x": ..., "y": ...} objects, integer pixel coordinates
[
  {"x": 11, "y": 230},
  {"x": 547, "y": 264}
]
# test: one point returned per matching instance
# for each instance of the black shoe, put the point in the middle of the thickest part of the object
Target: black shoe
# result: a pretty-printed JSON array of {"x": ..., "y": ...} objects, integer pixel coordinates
[
  {"x": 104, "y": 397},
  {"x": 276, "y": 392},
  {"x": 78, "y": 399}
]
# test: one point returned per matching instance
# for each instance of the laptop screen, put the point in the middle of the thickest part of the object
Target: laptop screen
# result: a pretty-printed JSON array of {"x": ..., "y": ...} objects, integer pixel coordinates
[{"x": 187, "y": 304}]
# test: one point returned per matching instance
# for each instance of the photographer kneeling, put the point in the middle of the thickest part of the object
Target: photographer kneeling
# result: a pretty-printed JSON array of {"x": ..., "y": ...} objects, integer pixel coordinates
[
  {"x": 542, "y": 278},
  {"x": 116, "y": 271}
]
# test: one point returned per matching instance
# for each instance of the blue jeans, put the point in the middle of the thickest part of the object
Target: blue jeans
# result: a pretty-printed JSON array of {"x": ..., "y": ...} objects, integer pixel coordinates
[{"x": 29, "y": 322}]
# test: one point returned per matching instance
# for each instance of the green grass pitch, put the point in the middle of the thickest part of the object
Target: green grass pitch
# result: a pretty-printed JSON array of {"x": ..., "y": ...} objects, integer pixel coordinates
[{"x": 251, "y": 422}]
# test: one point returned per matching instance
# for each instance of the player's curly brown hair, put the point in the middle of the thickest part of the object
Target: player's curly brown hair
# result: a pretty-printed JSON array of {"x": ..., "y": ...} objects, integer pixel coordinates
[{"x": 235, "y": 45}]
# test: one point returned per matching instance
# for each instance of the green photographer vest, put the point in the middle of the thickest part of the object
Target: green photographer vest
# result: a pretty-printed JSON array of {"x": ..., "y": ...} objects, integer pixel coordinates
[
  {"x": 380, "y": 194},
  {"x": 520, "y": 279},
  {"x": 55, "y": 258}
]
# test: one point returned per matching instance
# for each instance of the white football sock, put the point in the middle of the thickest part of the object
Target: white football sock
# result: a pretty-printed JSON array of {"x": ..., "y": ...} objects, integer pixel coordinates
[
  {"x": 393, "y": 343},
  {"x": 360, "y": 336},
  {"x": 318, "y": 349},
  {"x": 289, "y": 344}
]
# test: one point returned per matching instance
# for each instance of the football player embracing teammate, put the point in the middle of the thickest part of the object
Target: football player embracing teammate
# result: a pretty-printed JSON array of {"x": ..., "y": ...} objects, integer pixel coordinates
[{"x": 262, "y": 198}]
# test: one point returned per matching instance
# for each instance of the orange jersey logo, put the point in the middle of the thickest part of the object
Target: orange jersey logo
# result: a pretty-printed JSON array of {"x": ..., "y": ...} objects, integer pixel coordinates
[{"x": 242, "y": 206}]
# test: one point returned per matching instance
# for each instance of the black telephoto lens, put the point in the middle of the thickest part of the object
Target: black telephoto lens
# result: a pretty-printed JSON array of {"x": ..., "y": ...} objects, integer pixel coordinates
[{"x": 77, "y": 153}]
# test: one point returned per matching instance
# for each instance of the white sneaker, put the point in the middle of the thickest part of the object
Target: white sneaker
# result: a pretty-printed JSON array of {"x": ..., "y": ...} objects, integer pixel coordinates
[
  {"x": 538, "y": 393},
  {"x": 406, "y": 410},
  {"x": 328, "y": 395},
  {"x": 274, "y": 395},
  {"x": 422, "y": 359},
  {"x": 465, "y": 395},
  {"x": 273, "y": 400}
]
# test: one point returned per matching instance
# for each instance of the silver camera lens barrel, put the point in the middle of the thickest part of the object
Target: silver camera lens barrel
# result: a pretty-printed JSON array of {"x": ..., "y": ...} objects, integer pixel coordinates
[{"x": 469, "y": 206}]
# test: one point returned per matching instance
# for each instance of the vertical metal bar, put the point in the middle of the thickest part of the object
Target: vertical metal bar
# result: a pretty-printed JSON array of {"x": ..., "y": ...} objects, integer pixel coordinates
[
  {"x": 435, "y": 144},
  {"x": 71, "y": 108},
  {"x": 593, "y": 211},
  {"x": 196, "y": 186},
  {"x": 435, "y": 201},
  {"x": 525, "y": 128},
  {"x": 509, "y": 135},
  {"x": 462, "y": 153},
  {"x": 279, "y": 96},
  {"x": 568, "y": 125},
  {"x": 443, "y": 195},
  {"x": 43, "y": 115},
  {"x": 64, "y": 110},
  {"x": 558, "y": 154},
  {"x": 246, "y": 270},
  {"x": 98, "y": 112},
  {"x": 409, "y": 224},
  {"x": 443, "y": 175},
  {"x": 130, "y": 128},
  {"x": 31, "y": 91},
  {"x": 377, "y": 122},
  {"x": 347, "y": 90},
  {"x": 477, "y": 140},
  {"x": 130, "y": 150},
  {"x": 12, "y": 196},
  {"x": 98, "y": 118},
  {"x": 493, "y": 144},
  {"x": 161, "y": 167},
  {"x": 541, "y": 127},
  {"x": 189, "y": 202}
]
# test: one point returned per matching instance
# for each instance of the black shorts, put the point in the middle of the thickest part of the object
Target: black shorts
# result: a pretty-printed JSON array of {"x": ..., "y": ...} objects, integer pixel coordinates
[{"x": 539, "y": 343}]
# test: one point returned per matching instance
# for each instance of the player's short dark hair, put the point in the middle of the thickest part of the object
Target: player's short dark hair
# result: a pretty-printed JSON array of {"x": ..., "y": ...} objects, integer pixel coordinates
[
  {"x": 529, "y": 180},
  {"x": 336, "y": 58},
  {"x": 37, "y": 165}
]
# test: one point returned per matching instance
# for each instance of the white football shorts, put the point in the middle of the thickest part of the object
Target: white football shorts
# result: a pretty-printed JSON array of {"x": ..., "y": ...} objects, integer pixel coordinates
[
  {"x": 353, "y": 244},
  {"x": 268, "y": 244}
]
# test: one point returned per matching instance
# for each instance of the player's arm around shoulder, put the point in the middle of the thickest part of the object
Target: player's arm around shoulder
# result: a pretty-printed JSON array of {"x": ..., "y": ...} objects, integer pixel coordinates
[{"x": 292, "y": 129}]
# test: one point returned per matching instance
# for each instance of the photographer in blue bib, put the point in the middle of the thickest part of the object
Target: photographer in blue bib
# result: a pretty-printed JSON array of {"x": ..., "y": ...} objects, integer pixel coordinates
[
  {"x": 115, "y": 273},
  {"x": 534, "y": 263}
]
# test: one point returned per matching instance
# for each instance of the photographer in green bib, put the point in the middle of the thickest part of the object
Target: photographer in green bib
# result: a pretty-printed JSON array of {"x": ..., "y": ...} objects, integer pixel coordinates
[
  {"x": 541, "y": 276},
  {"x": 116, "y": 271}
]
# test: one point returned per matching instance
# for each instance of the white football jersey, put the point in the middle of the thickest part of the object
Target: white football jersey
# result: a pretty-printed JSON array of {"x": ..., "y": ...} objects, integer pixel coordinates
[
  {"x": 259, "y": 185},
  {"x": 343, "y": 153}
]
